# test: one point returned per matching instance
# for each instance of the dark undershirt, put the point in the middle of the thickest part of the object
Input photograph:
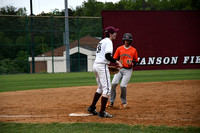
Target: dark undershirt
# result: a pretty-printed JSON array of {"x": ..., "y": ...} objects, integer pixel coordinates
[{"x": 110, "y": 58}]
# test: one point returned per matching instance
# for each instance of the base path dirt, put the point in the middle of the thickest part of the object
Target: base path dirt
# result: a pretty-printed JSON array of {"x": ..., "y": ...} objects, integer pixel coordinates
[{"x": 172, "y": 103}]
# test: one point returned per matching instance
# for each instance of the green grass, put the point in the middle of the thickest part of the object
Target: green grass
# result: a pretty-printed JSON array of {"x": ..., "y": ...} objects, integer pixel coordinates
[
  {"x": 90, "y": 128},
  {"x": 165, "y": 75},
  {"x": 40, "y": 81}
]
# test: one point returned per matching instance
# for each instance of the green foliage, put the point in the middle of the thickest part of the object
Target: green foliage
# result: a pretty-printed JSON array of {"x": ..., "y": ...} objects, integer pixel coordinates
[
  {"x": 7, "y": 66},
  {"x": 18, "y": 65},
  {"x": 4, "y": 51},
  {"x": 93, "y": 8},
  {"x": 21, "y": 62},
  {"x": 8, "y": 10},
  {"x": 90, "y": 128}
]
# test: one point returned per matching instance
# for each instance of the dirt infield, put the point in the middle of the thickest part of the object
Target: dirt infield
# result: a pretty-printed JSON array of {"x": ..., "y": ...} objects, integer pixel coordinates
[{"x": 173, "y": 103}]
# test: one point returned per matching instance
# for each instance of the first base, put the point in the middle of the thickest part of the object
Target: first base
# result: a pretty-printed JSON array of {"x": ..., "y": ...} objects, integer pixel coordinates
[{"x": 79, "y": 114}]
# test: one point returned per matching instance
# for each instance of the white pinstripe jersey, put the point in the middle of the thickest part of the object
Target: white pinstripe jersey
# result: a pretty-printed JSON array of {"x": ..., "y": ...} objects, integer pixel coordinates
[{"x": 105, "y": 46}]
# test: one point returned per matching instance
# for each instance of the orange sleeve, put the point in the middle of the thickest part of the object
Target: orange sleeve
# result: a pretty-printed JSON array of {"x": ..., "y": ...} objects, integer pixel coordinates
[
  {"x": 116, "y": 55},
  {"x": 136, "y": 56}
]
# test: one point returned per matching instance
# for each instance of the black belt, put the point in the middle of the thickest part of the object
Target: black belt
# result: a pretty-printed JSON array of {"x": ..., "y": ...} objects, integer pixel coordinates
[{"x": 127, "y": 67}]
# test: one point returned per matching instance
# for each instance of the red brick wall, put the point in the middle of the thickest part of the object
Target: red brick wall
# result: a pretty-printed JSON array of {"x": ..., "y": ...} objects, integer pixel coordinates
[{"x": 40, "y": 67}]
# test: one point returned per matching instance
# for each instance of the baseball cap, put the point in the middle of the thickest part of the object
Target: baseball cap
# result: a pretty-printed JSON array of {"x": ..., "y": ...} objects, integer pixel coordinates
[{"x": 110, "y": 29}]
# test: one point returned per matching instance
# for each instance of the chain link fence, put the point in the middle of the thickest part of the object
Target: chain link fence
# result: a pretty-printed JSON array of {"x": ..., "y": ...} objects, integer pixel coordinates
[{"x": 36, "y": 44}]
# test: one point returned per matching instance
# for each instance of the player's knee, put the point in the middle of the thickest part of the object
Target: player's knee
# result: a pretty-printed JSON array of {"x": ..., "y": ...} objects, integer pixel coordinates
[
  {"x": 106, "y": 95},
  {"x": 123, "y": 86},
  {"x": 99, "y": 91},
  {"x": 114, "y": 85}
]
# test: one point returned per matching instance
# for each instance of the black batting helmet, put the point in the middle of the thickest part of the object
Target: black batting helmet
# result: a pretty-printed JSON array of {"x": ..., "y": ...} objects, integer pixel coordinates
[{"x": 127, "y": 37}]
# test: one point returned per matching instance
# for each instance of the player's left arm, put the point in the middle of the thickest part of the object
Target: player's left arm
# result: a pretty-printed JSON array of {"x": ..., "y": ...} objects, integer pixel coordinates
[
  {"x": 135, "y": 61},
  {"x": 116, "y": 55}
]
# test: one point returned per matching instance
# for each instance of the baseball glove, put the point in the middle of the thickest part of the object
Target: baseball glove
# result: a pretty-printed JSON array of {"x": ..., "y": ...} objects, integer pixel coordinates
[{"x": 113, "y": 70}]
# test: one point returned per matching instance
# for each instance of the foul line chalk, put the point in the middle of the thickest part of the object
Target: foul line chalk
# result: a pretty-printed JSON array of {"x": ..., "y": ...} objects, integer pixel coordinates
[{"x": 12, "y": 116}]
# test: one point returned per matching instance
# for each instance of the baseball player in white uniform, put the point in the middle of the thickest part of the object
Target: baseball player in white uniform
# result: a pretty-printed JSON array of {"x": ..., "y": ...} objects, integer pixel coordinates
[{"x": 103, "y": 58}]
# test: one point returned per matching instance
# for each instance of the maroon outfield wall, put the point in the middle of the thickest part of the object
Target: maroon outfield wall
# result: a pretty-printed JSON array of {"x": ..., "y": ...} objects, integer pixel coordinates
[{"x": 163, "y": 39}]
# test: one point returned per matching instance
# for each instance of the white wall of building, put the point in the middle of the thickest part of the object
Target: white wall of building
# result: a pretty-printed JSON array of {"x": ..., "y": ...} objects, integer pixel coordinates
[{"x": 60, "y": 61}]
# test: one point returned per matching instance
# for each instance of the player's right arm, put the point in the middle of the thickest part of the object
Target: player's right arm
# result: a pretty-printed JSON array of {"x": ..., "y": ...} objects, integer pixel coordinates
[{"x": 111, "y": 59}]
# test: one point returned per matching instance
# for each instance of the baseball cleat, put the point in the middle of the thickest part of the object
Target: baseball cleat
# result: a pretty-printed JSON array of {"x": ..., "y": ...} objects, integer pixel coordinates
[
  {"x": 109, "y": 104},
  {"x": 92, "y": 111},
  {"x": 105, "y": 115},
  {"x": 123, "y": 106}
]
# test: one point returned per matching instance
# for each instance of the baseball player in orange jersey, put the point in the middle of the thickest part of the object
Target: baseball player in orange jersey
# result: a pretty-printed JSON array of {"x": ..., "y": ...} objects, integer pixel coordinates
[{"x": 128, "y": 56}]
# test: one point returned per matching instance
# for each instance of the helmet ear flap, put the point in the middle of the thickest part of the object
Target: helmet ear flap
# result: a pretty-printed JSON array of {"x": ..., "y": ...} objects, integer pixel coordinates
[{"x": 129, "y": 41}]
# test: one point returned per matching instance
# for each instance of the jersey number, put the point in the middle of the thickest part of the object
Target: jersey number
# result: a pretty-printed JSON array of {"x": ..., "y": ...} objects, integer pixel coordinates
[
  {"x": 99, "y": 48},
  {"x": 129, "y": 61}
]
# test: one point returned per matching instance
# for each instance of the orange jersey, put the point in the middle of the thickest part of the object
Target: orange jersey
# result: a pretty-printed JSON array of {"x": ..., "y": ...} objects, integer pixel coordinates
[{"x": 125, "y": 56}]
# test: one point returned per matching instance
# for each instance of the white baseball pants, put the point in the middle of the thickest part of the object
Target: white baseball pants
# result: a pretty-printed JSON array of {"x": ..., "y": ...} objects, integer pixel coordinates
[{"x": 103, "y": 79}]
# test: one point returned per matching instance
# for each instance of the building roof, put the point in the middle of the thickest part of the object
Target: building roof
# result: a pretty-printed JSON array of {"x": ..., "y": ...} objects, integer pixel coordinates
[{"x": 86, "y": 42}]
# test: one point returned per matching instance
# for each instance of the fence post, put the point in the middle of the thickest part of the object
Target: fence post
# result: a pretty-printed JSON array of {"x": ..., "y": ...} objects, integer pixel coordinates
[
  {"x": 52, "y": 44},
  {"x": 27, "y": 44},
  {"x": 78, "y": 45},
  {"x": 32, "y": 40},
  {"x": 67, "y": 37}
]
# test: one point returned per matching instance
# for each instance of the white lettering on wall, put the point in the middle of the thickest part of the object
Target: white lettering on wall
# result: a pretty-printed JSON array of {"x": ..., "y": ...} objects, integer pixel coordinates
[
  {"x": 158, "y": 60},
  {"x": 192, "y": 60},
  {"x": 151, "y": 60},
  {"x": 174, "y": 60},
  {"x": 143, "y": 61},
  {"x": 168, "y": 60},
  {"x": 197, "y": 59},
  {"x": 186, "y": 59}
]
